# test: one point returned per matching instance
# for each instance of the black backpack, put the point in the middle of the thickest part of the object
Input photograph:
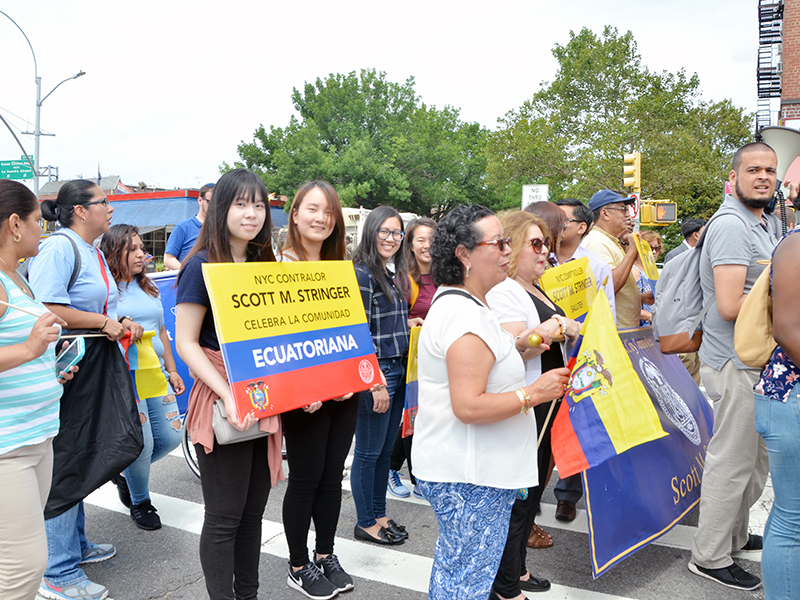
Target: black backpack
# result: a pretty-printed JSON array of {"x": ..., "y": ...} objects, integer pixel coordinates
[{"x": 76, "y": 266}]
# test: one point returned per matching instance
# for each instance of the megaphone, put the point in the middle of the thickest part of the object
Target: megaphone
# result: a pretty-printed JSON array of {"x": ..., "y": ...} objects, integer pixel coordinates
[{"x": 786, "y": 143}]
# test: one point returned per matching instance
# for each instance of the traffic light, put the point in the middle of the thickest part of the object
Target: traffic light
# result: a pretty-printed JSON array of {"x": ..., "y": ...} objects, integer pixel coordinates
[
  {"x": 632, "y": 171},
  {"x": 655, "y": 213}
]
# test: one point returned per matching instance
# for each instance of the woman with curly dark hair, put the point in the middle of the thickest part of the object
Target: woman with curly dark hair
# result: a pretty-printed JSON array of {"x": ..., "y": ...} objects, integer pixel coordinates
[
  {"x": 158, "y": 412},
  {"x": 474, "y": 439}
]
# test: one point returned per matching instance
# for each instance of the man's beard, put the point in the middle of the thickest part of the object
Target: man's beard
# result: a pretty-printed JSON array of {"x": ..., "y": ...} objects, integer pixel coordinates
[{"x": 751, "y": 202}]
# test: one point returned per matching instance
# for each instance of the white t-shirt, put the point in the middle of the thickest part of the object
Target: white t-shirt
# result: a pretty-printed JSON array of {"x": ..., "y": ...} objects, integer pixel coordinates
[
  {"x": 510, "y": 303},
  {"x": 501, "y": 455}
]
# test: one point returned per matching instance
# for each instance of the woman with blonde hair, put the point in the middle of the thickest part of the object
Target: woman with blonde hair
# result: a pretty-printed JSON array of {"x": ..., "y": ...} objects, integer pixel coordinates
[{"x": 519, "y": 303}]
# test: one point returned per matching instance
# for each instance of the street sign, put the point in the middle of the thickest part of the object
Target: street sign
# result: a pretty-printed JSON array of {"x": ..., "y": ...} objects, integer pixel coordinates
[
  {"x": 15, "y": 169},
  {"x": 534, "y": 193}
]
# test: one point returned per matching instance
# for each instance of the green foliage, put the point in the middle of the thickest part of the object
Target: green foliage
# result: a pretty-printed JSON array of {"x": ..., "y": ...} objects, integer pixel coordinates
[
  {"x": 376, "y": 142},
  {"x": 603, "y": 103}
]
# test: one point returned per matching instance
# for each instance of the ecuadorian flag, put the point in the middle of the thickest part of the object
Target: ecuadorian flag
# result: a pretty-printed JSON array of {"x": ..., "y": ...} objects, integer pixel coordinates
[
  {"x": 148, "y": 379},
  {"x": 606, "y": 409},
  {"x": 412, "y": 385}
]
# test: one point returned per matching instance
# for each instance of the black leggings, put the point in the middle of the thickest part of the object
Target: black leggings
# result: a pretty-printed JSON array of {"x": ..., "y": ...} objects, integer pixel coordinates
[
  {"x": 316, "y": 448},
  {"x": 236, "y": 482},
  {"x": 523, "y": 514}
]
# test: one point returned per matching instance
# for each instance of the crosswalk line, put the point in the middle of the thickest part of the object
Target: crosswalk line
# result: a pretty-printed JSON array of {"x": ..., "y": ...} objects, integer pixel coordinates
[
  {"x": 392, "y": 567},
  {"x": 679, "y": 537}
]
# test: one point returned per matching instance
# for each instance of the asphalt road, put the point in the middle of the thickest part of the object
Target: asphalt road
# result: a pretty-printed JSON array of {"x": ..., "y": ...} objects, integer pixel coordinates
[{"x": 165, "y": 564}]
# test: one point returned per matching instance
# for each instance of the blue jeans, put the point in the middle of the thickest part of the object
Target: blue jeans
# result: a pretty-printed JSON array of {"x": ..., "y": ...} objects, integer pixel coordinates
[
  {"x": 779, "y": 424},
  {"x": 374, "y": 438},
  {"x": 473, "y": 529},
  {"x": 162, "y": 434},
  {"x": 66, "y": 543}
]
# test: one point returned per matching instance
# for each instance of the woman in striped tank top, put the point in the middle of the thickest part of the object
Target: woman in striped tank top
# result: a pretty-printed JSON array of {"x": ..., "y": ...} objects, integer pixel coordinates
[{"x": 29, "y": 399}]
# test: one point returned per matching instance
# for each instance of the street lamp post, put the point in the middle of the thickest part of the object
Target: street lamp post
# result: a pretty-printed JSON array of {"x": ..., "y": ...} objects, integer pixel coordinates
[{"x": 37, "y": 133}]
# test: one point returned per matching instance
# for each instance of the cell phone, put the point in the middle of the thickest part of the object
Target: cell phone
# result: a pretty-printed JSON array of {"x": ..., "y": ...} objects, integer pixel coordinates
[{"x": 71, "y": 355}]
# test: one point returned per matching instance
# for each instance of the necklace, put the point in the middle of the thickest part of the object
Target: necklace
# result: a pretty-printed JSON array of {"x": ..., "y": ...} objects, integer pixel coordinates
[{"x": 20, "y": 283}]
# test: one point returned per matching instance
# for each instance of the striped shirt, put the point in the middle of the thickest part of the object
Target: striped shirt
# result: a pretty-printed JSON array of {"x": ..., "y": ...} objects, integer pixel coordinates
[{"x": 29, "y": 393}]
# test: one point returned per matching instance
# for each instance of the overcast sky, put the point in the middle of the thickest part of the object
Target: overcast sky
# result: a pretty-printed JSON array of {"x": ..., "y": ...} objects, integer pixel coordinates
[{"x": 172, "y": 87}]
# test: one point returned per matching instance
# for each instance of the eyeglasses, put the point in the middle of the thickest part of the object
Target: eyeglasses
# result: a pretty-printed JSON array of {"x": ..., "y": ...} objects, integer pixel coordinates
[
  {"x": 104, "y": 202},
  {"x": 501, "y": 243},
  {"x": 538, "y": 245},
  {"x": 622, "y": 208},
  {"x": 397, "y": 236},
  {"x": 574, "y": 221}
]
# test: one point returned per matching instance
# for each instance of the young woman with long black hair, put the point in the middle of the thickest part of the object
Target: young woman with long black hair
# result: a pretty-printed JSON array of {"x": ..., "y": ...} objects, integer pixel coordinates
[{"x": 235, "y": 477}]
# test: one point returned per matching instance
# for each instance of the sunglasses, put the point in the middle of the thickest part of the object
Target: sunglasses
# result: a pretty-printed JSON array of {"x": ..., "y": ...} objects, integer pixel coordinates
[
  {"x": 540, "y": 245},
  {"x": 501, "y": 243}
]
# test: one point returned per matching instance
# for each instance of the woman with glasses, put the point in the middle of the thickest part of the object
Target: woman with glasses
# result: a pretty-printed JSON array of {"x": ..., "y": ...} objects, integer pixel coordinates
[
  {"x": 379, "y": 411},
  {"x": 519, "y": 304},
  {"x": 556, "y": 222},
  {"x": 74, "y": 281},
  {"x": 475, "y": 436}
]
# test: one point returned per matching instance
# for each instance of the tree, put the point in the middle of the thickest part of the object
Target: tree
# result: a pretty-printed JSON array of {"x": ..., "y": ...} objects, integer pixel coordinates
[
  {"x": 376, "y": 142},
  {"x": 602, "y": 103}
]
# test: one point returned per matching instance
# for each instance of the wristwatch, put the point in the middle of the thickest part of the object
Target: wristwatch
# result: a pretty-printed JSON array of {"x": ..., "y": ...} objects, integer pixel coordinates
[{"x": 121, "y": 319}]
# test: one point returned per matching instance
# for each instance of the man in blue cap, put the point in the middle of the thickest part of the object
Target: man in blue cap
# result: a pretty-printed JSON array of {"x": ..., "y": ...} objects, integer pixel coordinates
[
  {"x": 611, "y": 220},
  {"x": 185, "y": 233}
]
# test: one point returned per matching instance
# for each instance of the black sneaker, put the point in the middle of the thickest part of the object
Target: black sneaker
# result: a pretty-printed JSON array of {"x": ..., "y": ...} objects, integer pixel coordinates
[
  {"x": 310, "y": 581},
  {"x": 334, "y": 572},
  {"x": 145, "y": 517},
  {"x": 122, "y": 490},
  {"x": 733, "y": 576}
]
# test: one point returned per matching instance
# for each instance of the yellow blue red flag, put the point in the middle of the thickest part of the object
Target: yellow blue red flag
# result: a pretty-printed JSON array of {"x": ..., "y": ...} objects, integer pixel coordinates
[
  {"x": 606, "y": 409},
  {"x": 412, "y": 386},
  {"x": 145, "y": 367}
]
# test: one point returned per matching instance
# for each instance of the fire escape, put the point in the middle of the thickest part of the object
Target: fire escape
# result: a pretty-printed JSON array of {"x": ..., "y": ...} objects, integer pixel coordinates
[{"x": 768, "y": 74}]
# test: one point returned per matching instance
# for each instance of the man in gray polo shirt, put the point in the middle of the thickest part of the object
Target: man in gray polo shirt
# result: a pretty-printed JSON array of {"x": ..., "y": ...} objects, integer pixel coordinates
[{"x": 736, "y": 464}]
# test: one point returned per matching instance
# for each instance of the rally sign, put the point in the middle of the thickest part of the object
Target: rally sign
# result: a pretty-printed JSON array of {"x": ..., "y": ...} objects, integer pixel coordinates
[
  {"x": 571, "y": 286},
  {"x": 291, "y": 333},
  {"x": 646, "y": 254}
]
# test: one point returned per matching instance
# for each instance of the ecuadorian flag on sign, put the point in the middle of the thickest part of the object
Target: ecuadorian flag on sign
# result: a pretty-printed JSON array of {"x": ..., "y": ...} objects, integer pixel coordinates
[{"x": 606, "y": 409}]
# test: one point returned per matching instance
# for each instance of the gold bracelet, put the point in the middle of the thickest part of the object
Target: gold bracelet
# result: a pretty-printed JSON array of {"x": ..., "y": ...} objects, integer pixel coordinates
[{"x": 524, "y": 400}]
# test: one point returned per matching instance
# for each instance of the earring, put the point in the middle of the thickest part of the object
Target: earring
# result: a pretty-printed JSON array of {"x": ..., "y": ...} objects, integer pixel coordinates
[
  {"x": 83, "y": 219},
  {"x": 17, "y": 238},
  {"x": 467, "y": 270}
]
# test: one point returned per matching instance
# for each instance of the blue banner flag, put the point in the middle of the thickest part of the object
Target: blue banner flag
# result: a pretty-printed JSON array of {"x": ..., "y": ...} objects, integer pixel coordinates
[{"x": 638, "y": 496}]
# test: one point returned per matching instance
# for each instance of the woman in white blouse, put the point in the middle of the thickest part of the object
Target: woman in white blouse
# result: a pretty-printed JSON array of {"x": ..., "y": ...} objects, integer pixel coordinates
[{"x": 475, "y": 439}]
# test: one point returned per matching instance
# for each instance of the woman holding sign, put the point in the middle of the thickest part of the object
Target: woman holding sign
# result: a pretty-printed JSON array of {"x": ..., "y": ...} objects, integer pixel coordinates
[
  {"x": 318, "y": 436},
  {"x": 158, "y": 412},
  {"x": 380, "y": 411},
  {"x": 474, "y": 437},
  {"x": 519, "y": 304},
  {"x": 235, "y": 477}
]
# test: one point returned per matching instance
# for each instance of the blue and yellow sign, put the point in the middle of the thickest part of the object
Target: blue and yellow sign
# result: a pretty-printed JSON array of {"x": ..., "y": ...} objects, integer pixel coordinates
[{"x": 291, "y": 333}]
